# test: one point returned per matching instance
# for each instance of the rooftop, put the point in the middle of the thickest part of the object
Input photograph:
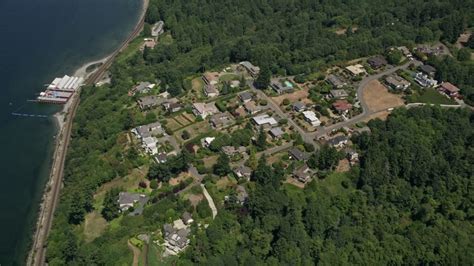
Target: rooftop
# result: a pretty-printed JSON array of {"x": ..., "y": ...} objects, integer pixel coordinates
[{"x": 264, "y": 119}]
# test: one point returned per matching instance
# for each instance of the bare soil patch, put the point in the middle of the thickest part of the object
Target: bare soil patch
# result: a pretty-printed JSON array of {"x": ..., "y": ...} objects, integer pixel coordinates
[
  {"x": 195, "y": 199},
  {"x": 294, "y": 182},
  {"x": 293, "y": 97},
  {"x": 378, "y": 97},
  {"x": 343, "y": 166},
  {"x": 176, "y": 180}
]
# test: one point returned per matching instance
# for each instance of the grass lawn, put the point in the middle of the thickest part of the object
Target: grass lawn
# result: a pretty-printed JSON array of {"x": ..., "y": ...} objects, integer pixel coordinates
[
  {"x": 132, "y": 48},
  {"x": 94, "y": 226},
  {"x": 154, "y": 257},
  {"x": 229, "y": 77},
  {"x": 332, "y": 183},
  {"x": 429, "y": 95},
  {"x": 166, "y": 39}
]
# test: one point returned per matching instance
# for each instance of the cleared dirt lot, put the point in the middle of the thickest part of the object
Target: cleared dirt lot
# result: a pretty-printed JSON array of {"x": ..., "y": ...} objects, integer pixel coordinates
[
  {"x": 378, "y": 98},
  {"x": 293, "y": 97}
]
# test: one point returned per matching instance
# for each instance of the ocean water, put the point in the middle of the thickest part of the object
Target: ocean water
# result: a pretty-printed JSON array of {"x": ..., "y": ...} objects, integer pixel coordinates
[{"x": 39, "y": 40}]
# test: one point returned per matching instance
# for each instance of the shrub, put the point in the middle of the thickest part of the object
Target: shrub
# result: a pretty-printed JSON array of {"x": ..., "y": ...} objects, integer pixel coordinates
[
  {"x": 142, "y": 184},
  {"x": 154, "y": 184}
]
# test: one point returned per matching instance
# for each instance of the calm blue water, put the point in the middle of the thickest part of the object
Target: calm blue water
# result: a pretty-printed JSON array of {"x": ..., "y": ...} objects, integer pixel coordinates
[{"x": 41, "y": 39}]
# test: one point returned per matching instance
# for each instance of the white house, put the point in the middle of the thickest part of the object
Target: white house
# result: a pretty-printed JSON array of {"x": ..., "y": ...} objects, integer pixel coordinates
[{"x": 311, "y": 118}]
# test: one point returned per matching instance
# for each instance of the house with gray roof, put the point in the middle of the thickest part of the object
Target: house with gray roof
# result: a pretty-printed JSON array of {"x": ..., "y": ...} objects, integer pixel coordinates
[
  {"x": 299, "y": 106},
  {"x": 243, "y": 171},
  {"x": 148, "y": 102},
  {"x": 276, "y": 132},
  {"x": 128, "y": 200},
  {"x": 246, "y": 97},
  {"x": 338, "y": 94},
  {"x": 335, "y": 81},
  {"x": 297, "y": 154}
]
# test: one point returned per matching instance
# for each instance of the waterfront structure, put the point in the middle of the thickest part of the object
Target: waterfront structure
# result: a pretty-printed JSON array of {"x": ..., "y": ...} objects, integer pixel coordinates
[{"x": 60, "y": 90}]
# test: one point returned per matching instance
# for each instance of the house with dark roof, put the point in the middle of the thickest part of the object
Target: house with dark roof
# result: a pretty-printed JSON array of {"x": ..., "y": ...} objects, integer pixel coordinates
[
  {"x": 377, "y": 62},
  {"x": 187, "y": 218},
  {"x": 245, "y": 97},
  {"x": 136, "y": 201},
  {"x": 302, "y": 174},
  {"x": 428, "y": 70},
  {"x": 299, "y": 106},
  {"x": 396, "y": 82},
  {"x": 297, "y": 154},
  {"x": 338, "y": 141},
  {"x": 280, "y": 88},
  {"x": 243, "y": 171}
]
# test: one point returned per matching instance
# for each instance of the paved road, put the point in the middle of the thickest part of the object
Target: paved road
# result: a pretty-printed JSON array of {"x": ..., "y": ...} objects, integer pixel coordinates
[
  {"x": 366, "y": 113},
  {"x": 307, "y": 137}
]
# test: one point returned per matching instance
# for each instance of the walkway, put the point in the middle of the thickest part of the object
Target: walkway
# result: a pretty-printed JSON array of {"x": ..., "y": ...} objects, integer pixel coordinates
[{"x": 210, "y": 201}]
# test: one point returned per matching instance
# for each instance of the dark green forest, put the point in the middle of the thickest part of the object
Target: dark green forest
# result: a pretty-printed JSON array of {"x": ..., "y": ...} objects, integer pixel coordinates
[{"x": 409, "y": 201}]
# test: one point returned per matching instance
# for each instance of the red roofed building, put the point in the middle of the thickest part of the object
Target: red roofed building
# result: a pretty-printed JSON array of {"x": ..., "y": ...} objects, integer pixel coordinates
[
  {"x": 449, "y": 89},
  {"x": 342, "y": 106}
]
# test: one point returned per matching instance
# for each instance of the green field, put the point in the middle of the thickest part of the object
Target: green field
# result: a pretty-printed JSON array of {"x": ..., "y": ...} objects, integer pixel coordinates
[{"x": 429, "y": 96}]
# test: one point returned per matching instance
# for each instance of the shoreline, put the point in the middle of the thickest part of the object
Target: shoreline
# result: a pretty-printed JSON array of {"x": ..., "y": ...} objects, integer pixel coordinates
[{"x": 63, "y": 118}]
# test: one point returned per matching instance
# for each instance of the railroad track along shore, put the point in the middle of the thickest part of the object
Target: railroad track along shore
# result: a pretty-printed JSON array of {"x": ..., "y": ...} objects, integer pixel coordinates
[{"x": 52, "y": 190}]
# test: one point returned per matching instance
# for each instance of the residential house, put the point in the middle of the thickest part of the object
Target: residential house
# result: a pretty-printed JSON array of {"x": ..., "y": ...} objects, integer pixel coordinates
[
  {"x": 192, "y": 148},
  {"x": 246, "y": 97},
  {"x": 187, "y": 218},
  {"x": 210, "y": 91},
  {"x": 211, "y": 78},
  {"x": 396, "y": 82},
  {"x": 338, "y": 94},
  {"x": 276, "y": 132},
  {"x": 239, "y": 112},
  {"x": 149, "y": 144},
  {"x": 128, "y": 200},
  {"x": 148, "y": 102},
  {"x": 176, "y": 237},
  {"x": 449, "y": 89},
  {"x": 149, "y": 130},
  {"x": 221, "y": 120},
  {"x": 356, "y": 70},
  {"x": 251, "y": 107},
  {"x": 242, "y": 194},
  {"x": 342, "y": 106},
  {"x": 425, "y": 80},
  {"x": 148, "y": 43},
  {"x": 299, "y": 106},
  {"x": 405, "y": 51},
  {"x": 335, "y": 81},
  {"x": 338, "y": 141},
  {"x": 428, "y": 70},
  {"x": 243, "y": 172},
  {"x": 352, "y": 156},
  {"x": 297, "y": 154},
  {"x": 302, "y": 174},
  {"x": 231, "y": 150},
  {"x": 142, "y": 87},
  {"x": 204, "y": 109},
  {"x": 264, "y": 120},
  {"x": 282, "y": 88},
  {"x": 206, "y": 142},
  {"x": 161, "y": 157},
  {"x": 311, "y": 118},
  {"x": 377, "y": 62},
  {"x": 172, "y": 105},
  {"x": 254, "y": 71},
  {"x": 157, "y": 29}
]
